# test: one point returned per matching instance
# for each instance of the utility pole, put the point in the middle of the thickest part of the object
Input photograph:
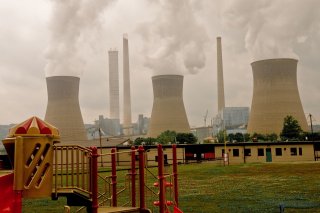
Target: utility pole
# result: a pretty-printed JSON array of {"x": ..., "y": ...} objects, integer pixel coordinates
[
  {"x": 310, "y": 117},
  {"x": 205, "y": 118},
  {"x": 100, "y": 146}
]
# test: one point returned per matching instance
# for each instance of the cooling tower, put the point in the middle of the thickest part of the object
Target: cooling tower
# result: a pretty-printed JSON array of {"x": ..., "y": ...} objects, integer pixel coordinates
[
  {"x": 168, "y": 112},
  {"x": 275, "y": 95},
  {"x": 114, "y": 84},
  {"x": 63, "y": 109},
  {"x": 221, "y": 103},
  {"x": 127, "y": 123}
]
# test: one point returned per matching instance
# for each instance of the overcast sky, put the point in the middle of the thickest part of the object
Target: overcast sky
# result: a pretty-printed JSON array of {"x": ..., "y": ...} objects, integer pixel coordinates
[{"x": 40, "y": 38}]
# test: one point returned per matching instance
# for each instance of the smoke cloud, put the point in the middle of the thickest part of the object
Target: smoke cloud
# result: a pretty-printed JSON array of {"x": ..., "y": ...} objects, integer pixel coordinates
[
  {"x": 72, "y": 23},
  {"x": 174, "y": 42},
  {"x": 272, "y": 28}
]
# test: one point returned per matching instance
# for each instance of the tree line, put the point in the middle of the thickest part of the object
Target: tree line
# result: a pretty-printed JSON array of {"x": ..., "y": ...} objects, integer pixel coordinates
[
  {"x": 168, "y": 137},
  {"x": 291, "y": 131}
]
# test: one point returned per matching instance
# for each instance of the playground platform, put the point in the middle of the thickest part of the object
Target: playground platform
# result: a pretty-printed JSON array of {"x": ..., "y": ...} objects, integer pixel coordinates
[{"x": 118, "y": 209}]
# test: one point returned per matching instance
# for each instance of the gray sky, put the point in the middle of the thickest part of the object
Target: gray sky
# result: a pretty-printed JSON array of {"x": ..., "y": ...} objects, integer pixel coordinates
[{"x": 40, "y": 38}]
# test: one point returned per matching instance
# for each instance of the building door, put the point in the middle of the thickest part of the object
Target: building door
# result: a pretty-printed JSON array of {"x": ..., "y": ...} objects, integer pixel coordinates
[{"x": 268, "y": 155}]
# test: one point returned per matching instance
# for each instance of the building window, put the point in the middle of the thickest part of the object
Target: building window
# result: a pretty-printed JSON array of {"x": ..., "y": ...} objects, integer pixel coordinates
[
  {"x": 293, "y": 151},
  {"x": 247, "y": 152},
  {"x": 260, "y": 152},
  {"x": 278, "y": 151},
  {"x": 165, "y": 159},
  {"x": 300, "y": 151},
  {"x": 235, "y": 152}
]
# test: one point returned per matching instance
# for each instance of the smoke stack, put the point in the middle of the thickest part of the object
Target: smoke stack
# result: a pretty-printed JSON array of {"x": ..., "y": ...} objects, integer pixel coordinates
[
  {"x": 114, "y": 84},
  {"x": 221, "y": 103},
  {"x": 168, "y": 112},
  {"x": 63, "y": 109},
  {"x": 275, "y": 95},
  {"x": 127, "y": 123}
]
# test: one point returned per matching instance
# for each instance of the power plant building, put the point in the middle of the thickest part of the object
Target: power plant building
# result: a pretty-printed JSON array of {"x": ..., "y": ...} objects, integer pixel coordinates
[
  {"x": 275, "y": 96},
  {"x": 63, "y": 109},
  {"x": 110, "y": 127},
  {"x": 168, "y": 111},
  {"x": 232, "y": 119}
]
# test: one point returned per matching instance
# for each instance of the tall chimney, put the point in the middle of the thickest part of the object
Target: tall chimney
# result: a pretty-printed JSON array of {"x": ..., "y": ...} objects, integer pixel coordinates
[
  {"x": 275, "y": 95},
  {"x": 114, "y": 84},
  {"x": 127, "y": 123},
  {"x": 221, "y": 103},
  {"x": 63, "y": 109},
  {"x": 168, "y": 112}
]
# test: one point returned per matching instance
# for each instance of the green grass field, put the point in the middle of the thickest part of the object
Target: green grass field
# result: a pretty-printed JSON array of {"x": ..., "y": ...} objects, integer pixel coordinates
[{"x": 208, "y": 187}]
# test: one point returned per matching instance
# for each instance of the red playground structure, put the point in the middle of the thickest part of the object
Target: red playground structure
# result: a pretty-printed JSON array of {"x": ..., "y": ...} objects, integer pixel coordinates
[{"x": 43, "y": 169}]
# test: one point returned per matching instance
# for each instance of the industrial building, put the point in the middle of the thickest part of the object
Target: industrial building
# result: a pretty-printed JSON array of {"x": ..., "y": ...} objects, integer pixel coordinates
[
  {"x": 109, "y": 127},
  {"x": 63, "y": 109},
  {"x": 275, "y": 96},
  {"x": 112, "y": 127},
  {"x": 168, "y": 111},
  {"x": 142, "y": 125},
  {"x": 203, "y": 133},
  {"x": 231, "y": 119}
]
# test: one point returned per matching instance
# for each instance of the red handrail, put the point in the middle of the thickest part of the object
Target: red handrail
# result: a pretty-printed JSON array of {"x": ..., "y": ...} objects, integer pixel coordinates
[
  {"x": 175, "y": 174},
  {"x": 161, "y": 180},
  {"x": 94, "y": 181},
  {"x": 141, "y": 177},
  {"x": 114, "y": 177},
  {"x": 133, "y": 176}
]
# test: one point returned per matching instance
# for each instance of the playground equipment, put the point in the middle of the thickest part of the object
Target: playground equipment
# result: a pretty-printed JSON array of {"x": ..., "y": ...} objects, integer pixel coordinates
[
  {"x": 43, "y": 169},
  {"x": 29, "y": 146}
]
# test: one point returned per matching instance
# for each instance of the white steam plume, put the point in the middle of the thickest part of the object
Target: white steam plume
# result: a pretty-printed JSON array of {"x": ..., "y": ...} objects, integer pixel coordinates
[
  {"x": 71, "y": 23},
  {"x": 174, "y": 41},
  {"x": 271, "y": 28}
]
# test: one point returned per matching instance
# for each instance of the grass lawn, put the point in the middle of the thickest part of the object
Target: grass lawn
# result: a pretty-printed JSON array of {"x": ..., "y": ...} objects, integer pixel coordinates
[
  {"x": 250, "y": 187},
  {"x": 208, "y": 188}
]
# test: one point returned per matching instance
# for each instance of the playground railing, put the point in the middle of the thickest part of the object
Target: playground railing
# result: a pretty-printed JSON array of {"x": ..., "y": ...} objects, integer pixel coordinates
[
  {"x": 72, "y": 169},
  {"x": 76, "y": 168}
]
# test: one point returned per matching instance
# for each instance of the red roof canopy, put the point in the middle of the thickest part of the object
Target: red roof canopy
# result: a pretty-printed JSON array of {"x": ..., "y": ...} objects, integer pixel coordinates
[{"x": 34, "y": 126}]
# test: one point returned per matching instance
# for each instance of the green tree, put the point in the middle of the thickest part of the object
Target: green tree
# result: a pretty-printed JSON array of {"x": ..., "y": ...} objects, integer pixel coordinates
[
  {"x": 258, "y": 137},
  {"x": 221, "y": 136},
  {"x": 145, "y": 141},
  {"x": 271, "y": 137},
  {"x": 239, "y": 137},
  {"x": 231, "y": 137},
  {"x": 167, "y": 137},
  {"x": 291, "y": 129},
  {"x": 138, "y": 141},
  {"x": 187, "y": 138}
]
